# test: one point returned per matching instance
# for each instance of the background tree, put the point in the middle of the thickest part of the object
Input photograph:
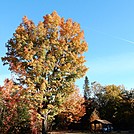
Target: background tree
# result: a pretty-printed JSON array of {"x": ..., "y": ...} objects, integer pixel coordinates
[
  {"x": 115, "y": 104},
  {"x": 87, "y": 90},
  {"x": 107, "y": 98},
  {"x": 14, "y": 111},
  {"x": 124, "y": 117},
  {"x": 46, "y": 60},
  {"x": 88, "y": 104},
  {"x": 95, "y": 115},
  {"x": 73, "y": 109}
]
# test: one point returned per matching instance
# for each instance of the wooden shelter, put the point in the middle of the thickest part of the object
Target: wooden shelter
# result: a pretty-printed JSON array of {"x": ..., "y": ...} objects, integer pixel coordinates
[{"x": 101, "y": 125}]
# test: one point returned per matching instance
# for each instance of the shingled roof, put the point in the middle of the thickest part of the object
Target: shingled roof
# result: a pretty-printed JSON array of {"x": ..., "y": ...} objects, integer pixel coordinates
[{"x": 102, "y": 121}]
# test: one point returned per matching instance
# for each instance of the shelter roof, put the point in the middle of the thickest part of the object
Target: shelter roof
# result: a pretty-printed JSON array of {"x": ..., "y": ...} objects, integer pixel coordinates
[{"x": 101, "y": 121}]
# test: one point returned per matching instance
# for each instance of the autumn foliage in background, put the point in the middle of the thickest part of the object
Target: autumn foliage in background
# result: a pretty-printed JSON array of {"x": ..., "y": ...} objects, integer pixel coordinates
[
  {"x": 110, "y": 102},
  {"x": 73, "y": 109},
  {"x": 14, "y": 111}
]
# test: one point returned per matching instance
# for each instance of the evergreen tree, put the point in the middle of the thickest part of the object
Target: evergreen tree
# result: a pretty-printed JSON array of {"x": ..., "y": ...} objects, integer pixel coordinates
[
  {"x": 87, "y": 92},
  {"x": 88, "y": 101}
]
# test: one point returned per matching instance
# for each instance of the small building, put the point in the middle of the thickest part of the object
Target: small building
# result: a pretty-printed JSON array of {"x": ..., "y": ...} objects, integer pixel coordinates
[{"x": 101, "y": 125}]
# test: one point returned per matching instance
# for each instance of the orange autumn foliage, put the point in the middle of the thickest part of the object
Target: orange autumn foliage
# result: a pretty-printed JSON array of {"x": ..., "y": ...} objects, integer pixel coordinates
[
  {"x": 15, "y": 113},
  {"x": 47, "y": 59},
  {"x": 73, "y": 107}
]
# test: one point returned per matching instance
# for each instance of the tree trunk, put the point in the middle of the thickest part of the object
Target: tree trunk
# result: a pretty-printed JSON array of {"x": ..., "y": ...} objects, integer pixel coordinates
[
  {"x": 44, "y": 122},
  {"x": 44, "y": 125}
]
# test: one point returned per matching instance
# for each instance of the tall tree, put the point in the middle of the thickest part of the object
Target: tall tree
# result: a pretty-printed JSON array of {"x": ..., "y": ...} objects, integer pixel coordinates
[
  {"x": 46, "y": 60},
  {"x": 87, "y": 91},
  {"x": 88, "y": 104}
]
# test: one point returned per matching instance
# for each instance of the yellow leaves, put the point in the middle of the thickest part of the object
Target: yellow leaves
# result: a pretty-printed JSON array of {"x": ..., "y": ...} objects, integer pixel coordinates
[
  {"x": 62, "y": 60},
  {"x": 68, "y": 65},
  {"x": 69, "y": 28},
  {"x": 52, "y": 50},
  {"x": 38, "y": 98},
  {"x": 50, "y": 106},
  {"x": 81, "y": 60},
  {"x": 113, "y": 91},
  {"x": 44, "y": 85},
  {"x": 73, "y": 107},
  {"x": 76, "y": 27},
  {"x": 55, "y": 34},
  {"x": 20, "y": 29},
  {"x": 84, "y": 47},
  {"x": 81, "y": 35},
  {"x": 41, "y": 31},
  {"x": 66, "y": 68},
  {"x": 28, "y": 52},
  {"x": 28, "y": 23},
  {"x": 40, "y": 26},
  {"x": 29, "y": 80},
  {"x": 63, "y": 68},
  {"x": 62, "y": 22},
  {"x": 25, "y": 19},
  {"x": 53, "y": 19},
  {"x": 69, "y": 23},
  {"x": 66, "y": 47},
  {"x": 53, "y": 40}
]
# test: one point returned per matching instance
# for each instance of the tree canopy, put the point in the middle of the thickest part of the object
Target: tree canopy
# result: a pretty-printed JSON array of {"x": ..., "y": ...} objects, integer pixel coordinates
[{"x": 46, "y": 59}]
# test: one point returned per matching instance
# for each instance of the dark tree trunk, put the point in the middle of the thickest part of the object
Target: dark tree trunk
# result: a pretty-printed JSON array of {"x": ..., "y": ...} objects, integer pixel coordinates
[
  {"x": 44, "y": 122},
  {"x": 44, "y": 125}
]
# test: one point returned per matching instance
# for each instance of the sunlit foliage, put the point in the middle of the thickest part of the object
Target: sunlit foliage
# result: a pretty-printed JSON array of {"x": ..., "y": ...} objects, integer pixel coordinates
[
  {"x": 14, "y": 115},
  {"x": 73, "y": 109},
  {"x": 46, "y": 60}
]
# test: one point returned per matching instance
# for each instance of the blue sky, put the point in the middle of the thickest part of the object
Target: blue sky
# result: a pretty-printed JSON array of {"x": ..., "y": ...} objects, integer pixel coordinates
[{"x": 108, "y": 27}]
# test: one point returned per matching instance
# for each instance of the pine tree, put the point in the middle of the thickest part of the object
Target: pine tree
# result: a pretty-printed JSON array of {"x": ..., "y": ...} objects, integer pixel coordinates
[
  {"x": 87, "y": 97},
  {"x": 87, "y": 92}
]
